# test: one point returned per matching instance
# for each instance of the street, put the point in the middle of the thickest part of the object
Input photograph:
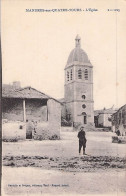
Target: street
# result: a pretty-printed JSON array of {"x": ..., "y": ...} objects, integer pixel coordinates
[{"x": 55, "y": 167}]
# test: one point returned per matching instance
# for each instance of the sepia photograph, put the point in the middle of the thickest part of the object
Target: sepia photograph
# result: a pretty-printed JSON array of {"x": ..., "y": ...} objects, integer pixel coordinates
[{"x": 63, "y": 97}]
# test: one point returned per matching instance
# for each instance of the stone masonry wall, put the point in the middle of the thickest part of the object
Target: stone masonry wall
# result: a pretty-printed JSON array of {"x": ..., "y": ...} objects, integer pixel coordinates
[
  {"x": 54, "y": 116},
  {"x": 12, "y": 109},
  {"x": 36, "y": 110},
  {"x": 13, "y": 131},
  {"x": 50, "y": 129}
]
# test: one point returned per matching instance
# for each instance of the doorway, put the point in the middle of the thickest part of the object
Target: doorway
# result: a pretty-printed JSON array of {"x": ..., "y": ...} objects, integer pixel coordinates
[
  {"x": 29, "y": 129},
  {"x": 85, "y": 119}
]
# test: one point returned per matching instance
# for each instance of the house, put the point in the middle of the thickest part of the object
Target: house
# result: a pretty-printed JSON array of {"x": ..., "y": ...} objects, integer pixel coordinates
[
  {"x": 29, "y": 114},
  {"x": 102, "y": 118},
  {"x": 119, "y": 121}
]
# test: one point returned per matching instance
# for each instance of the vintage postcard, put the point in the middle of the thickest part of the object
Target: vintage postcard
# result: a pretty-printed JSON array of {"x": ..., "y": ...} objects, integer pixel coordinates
[{"x": 63, "y": 97}]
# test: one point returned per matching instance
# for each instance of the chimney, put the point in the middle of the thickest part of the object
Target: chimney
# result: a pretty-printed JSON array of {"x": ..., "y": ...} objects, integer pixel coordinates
[{"x": 16, "y": 85}]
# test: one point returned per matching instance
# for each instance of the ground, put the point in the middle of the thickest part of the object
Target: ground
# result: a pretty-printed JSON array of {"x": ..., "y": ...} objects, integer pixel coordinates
[{"x": 43, "y": 167}]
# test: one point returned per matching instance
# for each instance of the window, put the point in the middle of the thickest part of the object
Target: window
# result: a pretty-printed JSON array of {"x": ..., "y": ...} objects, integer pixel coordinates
[
  {"x": 71, "y": 74},
  {"x": 86, "y": 74},
  {"x": 79, "y": 74},
  {"x": 83, "y": 113},
  {"x": 83, "y": 106},
  {"x": 67, "y": 75},
  {"x": 83, "y": 96}
]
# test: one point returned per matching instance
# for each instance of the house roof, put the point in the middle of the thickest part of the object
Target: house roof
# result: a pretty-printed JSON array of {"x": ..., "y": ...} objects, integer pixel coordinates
[
  {"x": 62, "y": 100},
  {"x": 121, "y": 108},
  {"x": 104, "y": 111},
  {"x": 24, "y": 93}
]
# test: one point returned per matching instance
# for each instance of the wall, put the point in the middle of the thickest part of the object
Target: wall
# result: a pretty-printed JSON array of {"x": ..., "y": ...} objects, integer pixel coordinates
[
  {"x": 54, "y": 116},
  {"x": 69, "y": 92},
  {"x": 36, "y": 109},
  {"x": 12, "y": 109},
  {"x": 41, "y": 131},
  {"x": 63, "y": 110},
  {"x": 119, "y": 120},
  {"x": 11, "y": 131},
  {"x": 103, "y": 120},
  {"x": 70, "y": 110},
  {"x": 50, "y": 129},
  {"x": 74, "y": 89},
  {"x": 78, "y": 117},
  {"x": 107, "y": 123},
  {"x": 122, "y": 130}
]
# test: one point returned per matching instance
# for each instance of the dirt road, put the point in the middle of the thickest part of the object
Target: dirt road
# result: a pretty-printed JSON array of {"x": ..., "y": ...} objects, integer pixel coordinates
[{"x": 39, "y": 164}]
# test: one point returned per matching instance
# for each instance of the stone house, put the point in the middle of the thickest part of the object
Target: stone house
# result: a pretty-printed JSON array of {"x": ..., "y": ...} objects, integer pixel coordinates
[
  {"x": 102, "y": 118},
  {"x": 29, "y": 114},
  {"x": 119, "y": 121}
]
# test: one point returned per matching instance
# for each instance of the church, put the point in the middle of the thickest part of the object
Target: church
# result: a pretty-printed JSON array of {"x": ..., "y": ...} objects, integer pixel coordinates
[{"x": 78, "y": 104}]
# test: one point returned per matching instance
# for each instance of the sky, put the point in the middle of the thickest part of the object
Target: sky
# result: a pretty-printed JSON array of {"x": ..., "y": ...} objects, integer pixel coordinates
[{"x": 36, "y": 46}]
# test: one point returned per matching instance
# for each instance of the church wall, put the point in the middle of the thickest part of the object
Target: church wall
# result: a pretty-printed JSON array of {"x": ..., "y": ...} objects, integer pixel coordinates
[
  {"x": 83, "y": 89},
  {"x": 83, "y": 68},
  {"x": 71, "y": 71},
  {"x": 74, "y": 90},
  {"x": 73, "y": 93},
  {"x": 69, "y": 92},
  {"x": 88, "y": 110}
]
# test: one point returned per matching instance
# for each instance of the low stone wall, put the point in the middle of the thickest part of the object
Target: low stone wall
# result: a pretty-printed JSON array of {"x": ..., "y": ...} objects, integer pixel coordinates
[
  {"x": 44, "y": 131},
  {"x": 13, "y": 131}
]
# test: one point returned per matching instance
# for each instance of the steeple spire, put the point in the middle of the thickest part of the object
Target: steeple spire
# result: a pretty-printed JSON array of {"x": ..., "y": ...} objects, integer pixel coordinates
[{"x": 78, "y": 41}]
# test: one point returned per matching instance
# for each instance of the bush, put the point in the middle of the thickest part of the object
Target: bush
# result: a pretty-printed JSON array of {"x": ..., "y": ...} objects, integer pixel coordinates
[
  {"x": 54, "y": 137},
  {"x": 10, "y": 140}
]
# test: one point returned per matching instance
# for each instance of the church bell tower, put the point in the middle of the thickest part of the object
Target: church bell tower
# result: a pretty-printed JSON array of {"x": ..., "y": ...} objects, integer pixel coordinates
[{"x": 79, "y": 86}]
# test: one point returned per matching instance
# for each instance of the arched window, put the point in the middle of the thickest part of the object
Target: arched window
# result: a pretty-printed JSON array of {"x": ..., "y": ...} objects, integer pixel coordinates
[
  {"x": 86, "y": 74},
  {"x": 67, "y": 75},
  {"x": 79, "y": 74},
  {"x": 83, "y": 96},
  {"x": 71, "y": 74},
  {"x": 83, "y": 106},
  {"x": 83, "y": 113}
]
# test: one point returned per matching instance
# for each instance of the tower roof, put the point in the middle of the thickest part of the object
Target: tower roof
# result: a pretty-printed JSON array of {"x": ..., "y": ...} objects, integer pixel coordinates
[
  {"x": 77, "y": 37},
  {"x": 77, "y": 54}
]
